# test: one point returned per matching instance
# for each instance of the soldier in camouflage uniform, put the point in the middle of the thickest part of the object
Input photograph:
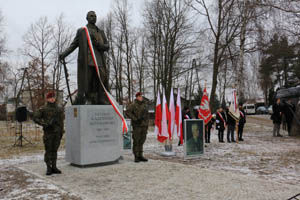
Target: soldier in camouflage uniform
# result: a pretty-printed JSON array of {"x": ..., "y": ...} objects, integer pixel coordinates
[
  {"x": 51, "y": 117},
  {"x": 138, "y": 113}
]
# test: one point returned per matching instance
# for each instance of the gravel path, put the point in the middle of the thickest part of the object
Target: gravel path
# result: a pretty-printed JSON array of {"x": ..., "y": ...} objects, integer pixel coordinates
[
  {"x": 261, "y": 167},
  {"x": 160, "y": 180}
]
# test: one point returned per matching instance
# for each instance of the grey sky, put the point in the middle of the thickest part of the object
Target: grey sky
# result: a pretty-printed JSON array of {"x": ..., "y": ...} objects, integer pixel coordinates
[{"x": 19, "y": 14}]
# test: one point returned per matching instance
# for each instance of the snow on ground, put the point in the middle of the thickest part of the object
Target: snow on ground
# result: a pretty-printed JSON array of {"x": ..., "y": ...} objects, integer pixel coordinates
[
  {"x": 261, "y": 167},
  {"x": 260, "y": 155},
  {"x": 18, "y": 184}
]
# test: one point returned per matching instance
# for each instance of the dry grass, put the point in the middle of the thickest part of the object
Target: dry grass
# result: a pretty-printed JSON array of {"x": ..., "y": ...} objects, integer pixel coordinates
[{"x": 10, "y": 141}]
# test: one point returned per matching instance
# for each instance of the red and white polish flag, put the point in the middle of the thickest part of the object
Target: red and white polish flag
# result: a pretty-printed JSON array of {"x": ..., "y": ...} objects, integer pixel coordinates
[
  {"x": 178, "y": 118},
  {"x": 158, "y": 118},
  {"x": 204, "y": 110},
  {"x": 164, "y": 121},
  {"x": 171, "y": 124}
]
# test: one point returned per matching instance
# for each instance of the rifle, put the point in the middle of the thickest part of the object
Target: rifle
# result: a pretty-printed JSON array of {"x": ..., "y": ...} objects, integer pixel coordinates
[{"x": 67, "y": 79}]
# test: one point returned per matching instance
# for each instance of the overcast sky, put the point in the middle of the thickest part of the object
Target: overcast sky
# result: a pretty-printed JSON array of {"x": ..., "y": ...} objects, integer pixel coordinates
[{"x": 19, "y": 14}]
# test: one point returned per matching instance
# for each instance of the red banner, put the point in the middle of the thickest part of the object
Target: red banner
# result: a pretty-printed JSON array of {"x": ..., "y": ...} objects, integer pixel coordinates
[{"x": 204, "y": 111}]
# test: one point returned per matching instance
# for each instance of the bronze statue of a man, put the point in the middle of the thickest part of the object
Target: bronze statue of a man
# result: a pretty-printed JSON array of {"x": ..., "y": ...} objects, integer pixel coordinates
[{"x": 90, "y": 90}]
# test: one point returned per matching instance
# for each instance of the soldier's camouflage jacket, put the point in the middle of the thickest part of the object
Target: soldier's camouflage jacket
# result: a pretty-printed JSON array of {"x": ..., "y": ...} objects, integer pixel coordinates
[
  {"x": 138, "y": 113},
  {"x": 51, "y": 117}
]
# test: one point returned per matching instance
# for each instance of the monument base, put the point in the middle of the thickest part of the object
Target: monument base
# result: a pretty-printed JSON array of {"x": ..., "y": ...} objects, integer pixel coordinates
[
  {"x": 168, "y": 151},
  {"x": 93, "y": 135}
]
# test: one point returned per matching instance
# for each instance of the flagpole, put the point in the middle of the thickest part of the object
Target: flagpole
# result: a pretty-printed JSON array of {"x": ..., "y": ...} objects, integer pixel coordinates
[
  {"x": 237, "y": 134},
  {"x": 236, "y": 126}
]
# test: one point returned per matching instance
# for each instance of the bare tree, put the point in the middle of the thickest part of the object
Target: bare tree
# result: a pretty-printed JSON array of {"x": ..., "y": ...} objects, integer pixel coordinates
[
  {"x": 140, "y": 60},
  {"x": 36, "y": 78},
  {"x": 115, "y": 55},
  {"x": 62, "y": 38},
  {"x": 122, "y": 18},
  {"x": 169, "y": 38},
  {"x": 3, "y": 65},
  {"x": 2, "y": 37},
  {"x": 248, "y": 12},
  {"x": 4, "y": 79},
  {"x": 224, "y": 27},
  {"x": 38, "y": 46}
]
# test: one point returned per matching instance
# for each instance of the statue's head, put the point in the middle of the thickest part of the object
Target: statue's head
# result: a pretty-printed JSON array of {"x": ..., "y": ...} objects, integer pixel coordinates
[{"x": 91, "y": 17}]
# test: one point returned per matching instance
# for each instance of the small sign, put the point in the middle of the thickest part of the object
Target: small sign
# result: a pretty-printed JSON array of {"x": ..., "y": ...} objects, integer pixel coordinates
[
  {"x": 127, "y": 136},
  {"x": 75, "y": 112},
  {"x": 194, "y": 137}
]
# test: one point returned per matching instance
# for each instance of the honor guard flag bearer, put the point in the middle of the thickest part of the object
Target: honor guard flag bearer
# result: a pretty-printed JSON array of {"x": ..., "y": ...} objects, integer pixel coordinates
[{"x": 204, "y": 110}]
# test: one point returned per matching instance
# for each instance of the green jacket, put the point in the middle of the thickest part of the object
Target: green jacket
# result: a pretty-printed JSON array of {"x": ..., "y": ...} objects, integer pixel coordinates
[
  {"x": 51, "y": 117},
  {"x": 138, "y": 113}
]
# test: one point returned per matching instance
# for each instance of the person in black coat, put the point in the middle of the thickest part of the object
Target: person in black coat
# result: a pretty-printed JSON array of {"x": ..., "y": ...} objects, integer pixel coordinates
[
  {"x": 220, "y": 124},
  {"x": 276, "y": 117},
  {"x": 208, "y": 128},
  {"x": 242, "y": 122},
  {"x": 288, "y": 110},
  {"x": 231, "y": 126}
]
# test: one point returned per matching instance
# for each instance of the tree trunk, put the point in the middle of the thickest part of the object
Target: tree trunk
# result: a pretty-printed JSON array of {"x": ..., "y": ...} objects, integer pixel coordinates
[{"x": 215, "y": 76}]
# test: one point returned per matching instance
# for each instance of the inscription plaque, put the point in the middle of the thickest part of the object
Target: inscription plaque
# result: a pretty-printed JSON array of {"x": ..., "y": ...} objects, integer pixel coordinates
[{"x": 94, "y": 136}]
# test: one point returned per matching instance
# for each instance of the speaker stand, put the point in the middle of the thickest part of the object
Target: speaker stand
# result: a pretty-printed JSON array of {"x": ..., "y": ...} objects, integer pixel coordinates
[{"x": 19, "y": 141}]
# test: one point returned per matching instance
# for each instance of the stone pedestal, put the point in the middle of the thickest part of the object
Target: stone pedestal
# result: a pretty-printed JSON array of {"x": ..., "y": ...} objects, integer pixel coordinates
[{"x": 93, "y": 135}]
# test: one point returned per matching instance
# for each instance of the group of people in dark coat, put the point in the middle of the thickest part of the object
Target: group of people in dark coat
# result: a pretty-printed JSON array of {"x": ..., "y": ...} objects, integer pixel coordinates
[
  {"x": 225, "y": 120},
  {"x": 285, "y": 109}
]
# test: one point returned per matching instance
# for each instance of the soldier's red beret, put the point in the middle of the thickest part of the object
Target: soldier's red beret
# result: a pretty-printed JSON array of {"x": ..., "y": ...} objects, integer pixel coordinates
[
  {"x": 50, "y": 95},
  {"x": 138, "y": 94}
]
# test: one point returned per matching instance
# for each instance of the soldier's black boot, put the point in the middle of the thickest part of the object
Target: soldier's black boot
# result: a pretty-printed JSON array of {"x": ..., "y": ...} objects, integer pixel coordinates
[
  {"x": 49, "y": 169},
  {"x": 54, "y": 168},
  {"x": 136, "y": 159},
  {"x": 142, "y": 158}
]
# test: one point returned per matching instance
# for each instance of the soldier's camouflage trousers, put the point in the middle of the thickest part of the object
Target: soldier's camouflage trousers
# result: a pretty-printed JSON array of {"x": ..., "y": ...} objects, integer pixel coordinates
[
  {"x": 51, "y": 142},
  {"x": 139, "y": 137}
]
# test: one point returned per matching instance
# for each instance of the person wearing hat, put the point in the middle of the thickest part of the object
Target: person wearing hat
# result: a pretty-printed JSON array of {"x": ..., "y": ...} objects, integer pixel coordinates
[
  {"x": 138, "y": 113},
  {"x": 186, "y": 114},
  {"x": 51, "y": 118}
]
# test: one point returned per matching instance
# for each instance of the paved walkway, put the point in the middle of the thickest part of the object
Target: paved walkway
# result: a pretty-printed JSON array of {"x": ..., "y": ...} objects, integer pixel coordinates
[{"x": 159, "y": 180}]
